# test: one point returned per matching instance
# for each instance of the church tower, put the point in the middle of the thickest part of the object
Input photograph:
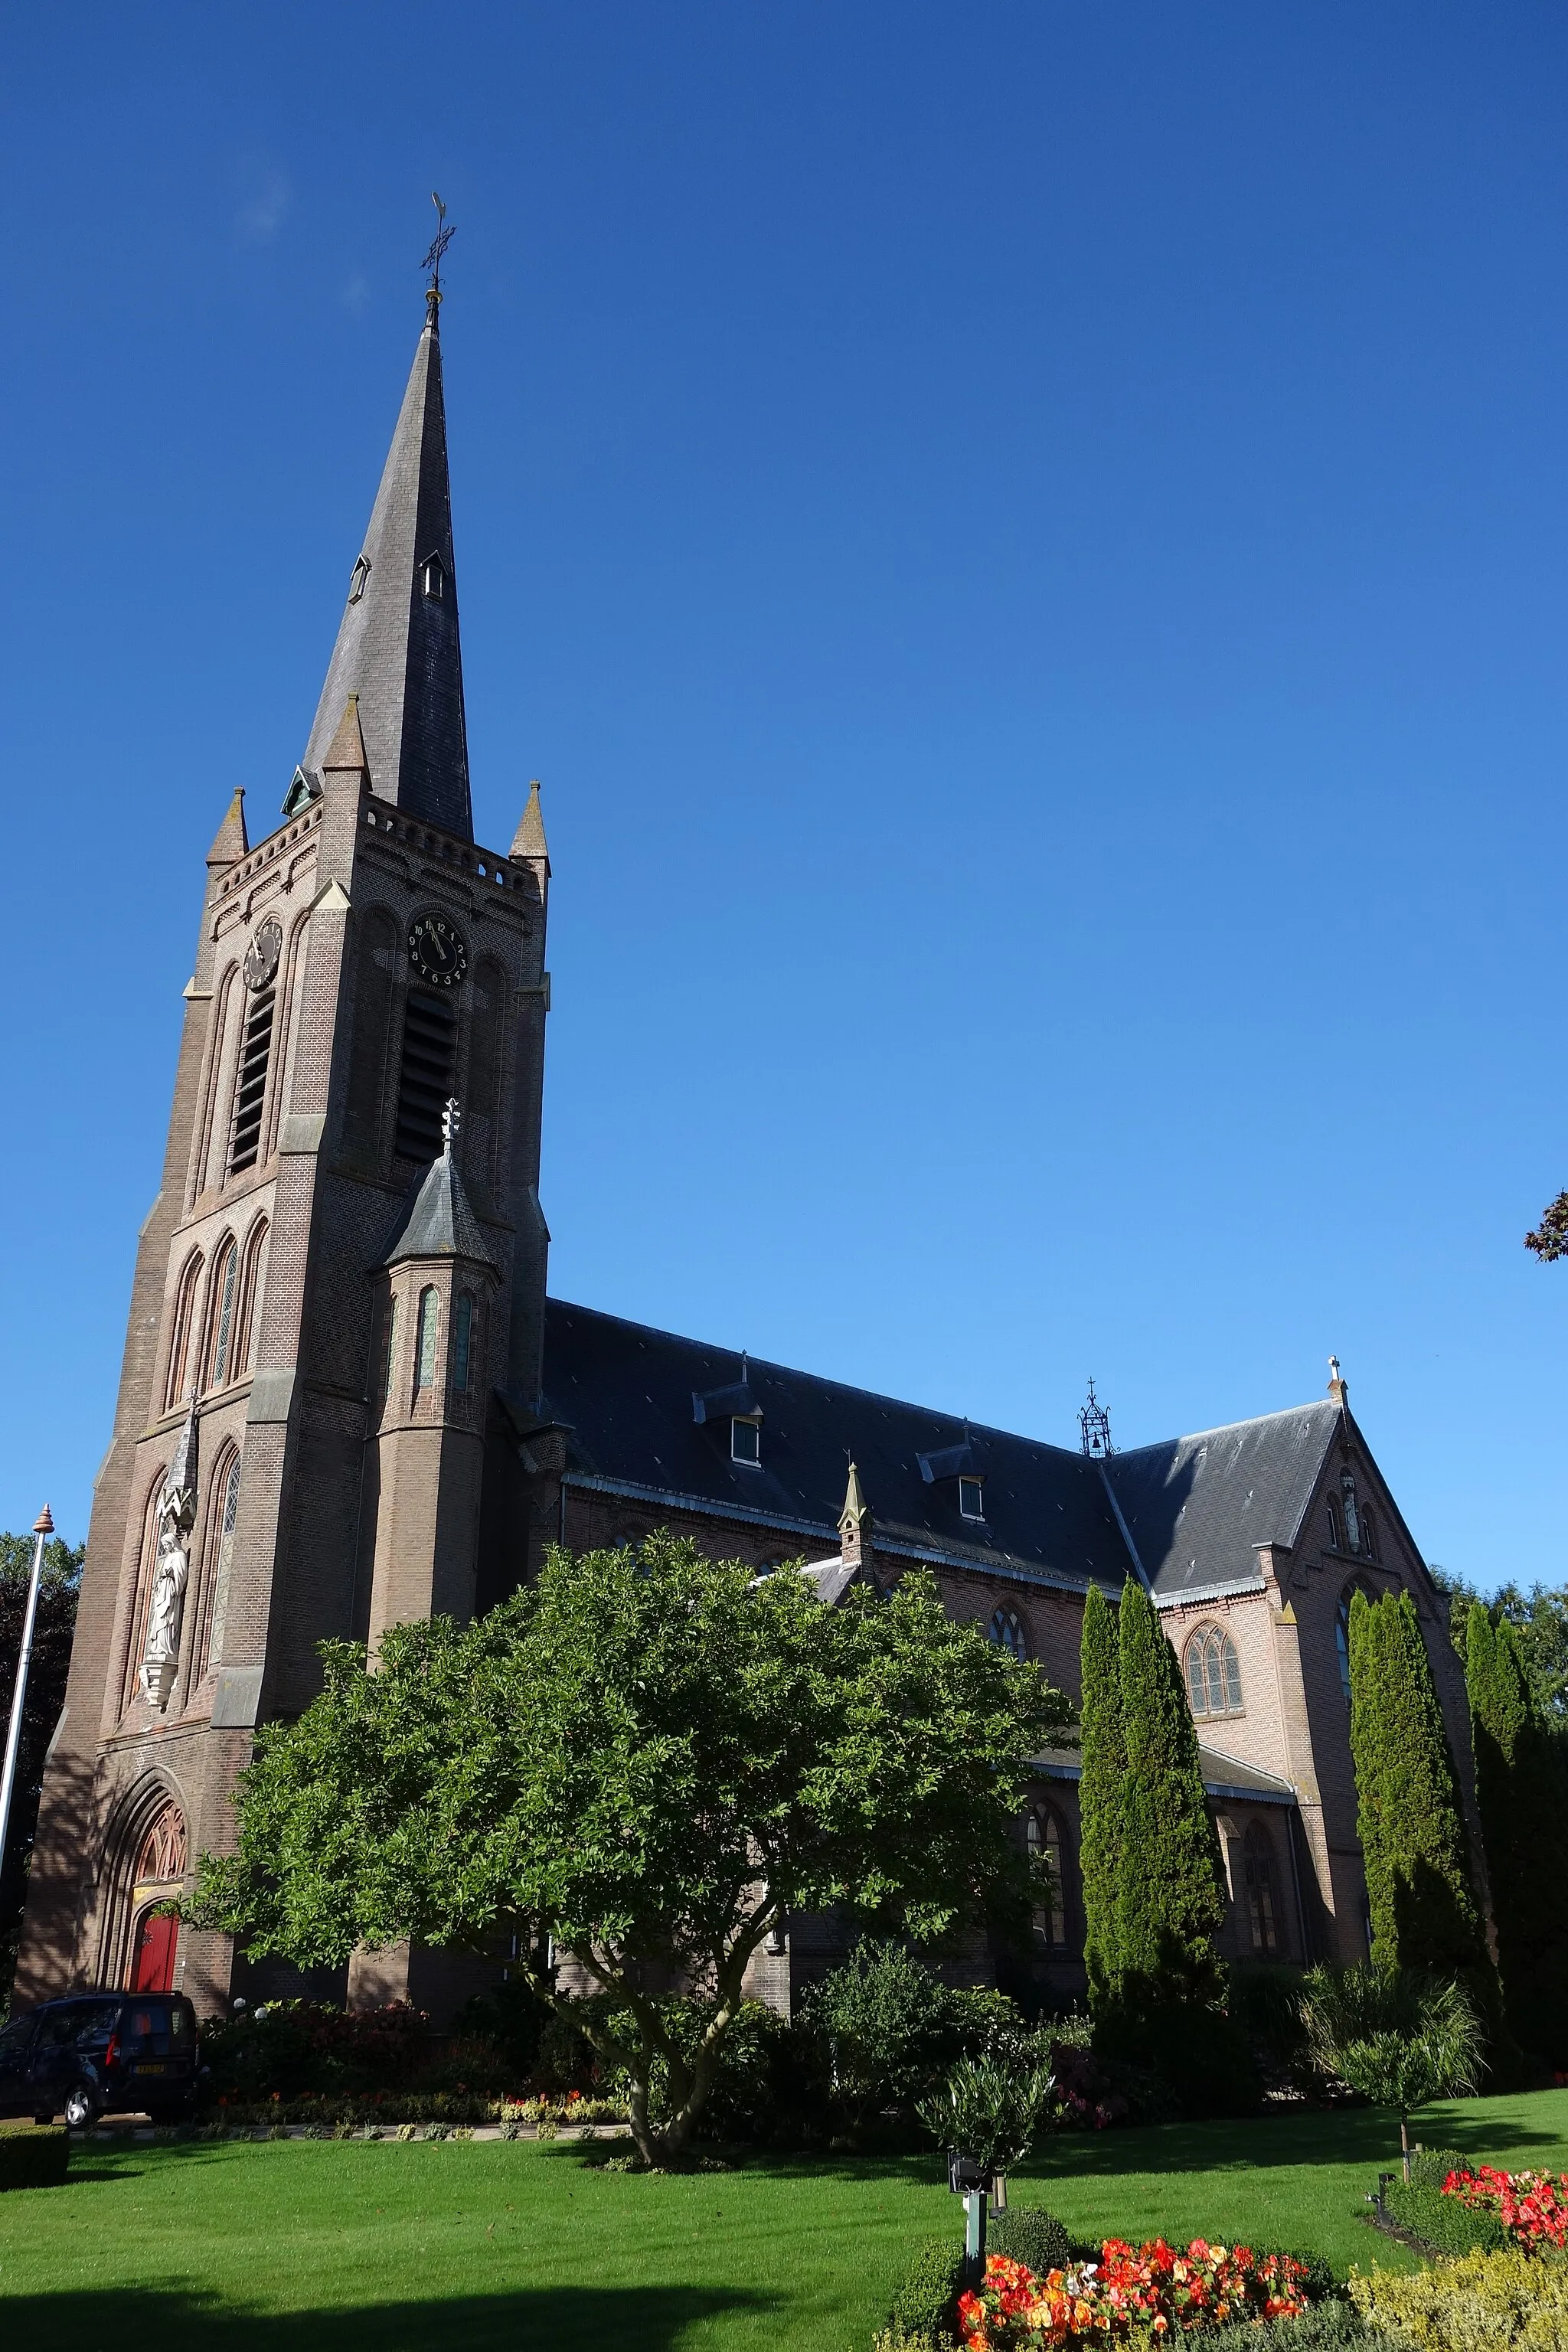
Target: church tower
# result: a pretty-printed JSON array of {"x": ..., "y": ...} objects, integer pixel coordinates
[{"x": 332, "y": 1366}]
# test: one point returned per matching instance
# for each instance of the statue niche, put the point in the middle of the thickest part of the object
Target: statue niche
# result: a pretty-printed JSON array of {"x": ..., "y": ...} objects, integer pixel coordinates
[{"x": 171, "y": 1570}]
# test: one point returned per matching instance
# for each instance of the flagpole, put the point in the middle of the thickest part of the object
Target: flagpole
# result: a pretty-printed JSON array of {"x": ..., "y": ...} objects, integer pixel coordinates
[{"x": 43, "y": 1527}]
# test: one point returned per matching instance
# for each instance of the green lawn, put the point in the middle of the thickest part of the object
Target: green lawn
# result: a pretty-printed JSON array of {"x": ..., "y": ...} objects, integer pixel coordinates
[{"x": 319, "y": 2246}]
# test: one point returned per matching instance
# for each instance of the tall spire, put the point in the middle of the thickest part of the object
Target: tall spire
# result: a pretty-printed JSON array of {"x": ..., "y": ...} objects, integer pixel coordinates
[{"x": 397, "y": 646}]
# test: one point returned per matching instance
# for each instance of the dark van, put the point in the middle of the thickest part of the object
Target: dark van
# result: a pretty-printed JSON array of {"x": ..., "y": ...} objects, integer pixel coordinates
[{"x": 99, "y": 2051}]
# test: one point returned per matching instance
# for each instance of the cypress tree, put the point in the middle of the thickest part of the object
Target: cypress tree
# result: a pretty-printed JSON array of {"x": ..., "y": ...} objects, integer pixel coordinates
[
  {"x": 1518, "y": 1793},
  {"x": 1171, "y": 1880},
  {"x": 1099, "y": 1799},
  {"x": 1419, "y": 1894}
]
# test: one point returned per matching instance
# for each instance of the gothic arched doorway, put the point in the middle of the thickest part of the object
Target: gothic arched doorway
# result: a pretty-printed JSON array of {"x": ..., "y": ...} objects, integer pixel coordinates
[{"x": 156, "y": 1881}]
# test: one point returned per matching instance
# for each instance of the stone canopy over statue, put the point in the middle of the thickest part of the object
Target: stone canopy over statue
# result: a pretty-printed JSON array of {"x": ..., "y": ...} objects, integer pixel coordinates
[{"x": 171, "y": 1569}]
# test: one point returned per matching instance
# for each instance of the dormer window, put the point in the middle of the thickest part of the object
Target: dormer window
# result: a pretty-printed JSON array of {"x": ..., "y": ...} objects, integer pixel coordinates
[
  {"x": 433, "y": 578},
  {"x": 746, "y": 1444},
  {"x": 357, "y": 579},
  {"x": 971, "y": 1499}
]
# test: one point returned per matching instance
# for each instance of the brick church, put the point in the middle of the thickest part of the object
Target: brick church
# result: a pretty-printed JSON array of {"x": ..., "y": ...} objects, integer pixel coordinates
[{"x": 347, "y": 1399}]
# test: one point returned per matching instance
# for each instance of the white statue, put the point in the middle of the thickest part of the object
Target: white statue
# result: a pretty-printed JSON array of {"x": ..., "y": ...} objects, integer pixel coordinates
[{"x": 172, "y": 1569}]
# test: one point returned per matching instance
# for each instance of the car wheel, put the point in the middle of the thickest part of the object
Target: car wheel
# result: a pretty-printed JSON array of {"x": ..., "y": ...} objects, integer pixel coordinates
[{"x": 81, "y": 2108}]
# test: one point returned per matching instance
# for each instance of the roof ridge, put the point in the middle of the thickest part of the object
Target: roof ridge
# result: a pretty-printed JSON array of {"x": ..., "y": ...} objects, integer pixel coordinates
[
  {"x": 824, "y": 1379},
  {"x": 1248, "y": 1421}
]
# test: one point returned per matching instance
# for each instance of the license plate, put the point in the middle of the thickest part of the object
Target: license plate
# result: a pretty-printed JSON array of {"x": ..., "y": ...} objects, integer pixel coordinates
[{"x": 142, "y": 2067}]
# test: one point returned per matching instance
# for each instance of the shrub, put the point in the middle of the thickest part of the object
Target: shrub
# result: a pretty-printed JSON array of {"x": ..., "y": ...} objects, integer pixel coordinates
[
  {"x": 1264, "y": 2003},
  {"x": 285, "y": 2047},
  {"x": 923, "y": 2306},
  {"x": 1483, "y": 2303},
  {"x": 33, "y": 2156},
  {"x": 888, "y": 2029},
  {"x": 1444, "y": 2223},
  {"x": 1327, "y": 2328},
  {"x": 1031, "y": 2235},
  {"x": 511, "y": 2018},
  {"x": 989, "y": 2111}
]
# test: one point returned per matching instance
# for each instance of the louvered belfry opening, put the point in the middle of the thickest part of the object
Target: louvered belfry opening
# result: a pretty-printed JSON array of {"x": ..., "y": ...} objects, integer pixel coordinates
[
  {"x": 250, "y": 1087},
  {"x": 428, "y": 1073}
]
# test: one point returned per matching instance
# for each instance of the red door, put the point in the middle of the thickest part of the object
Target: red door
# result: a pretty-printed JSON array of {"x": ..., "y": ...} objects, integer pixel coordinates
[{"x": 152, "y": 1968}]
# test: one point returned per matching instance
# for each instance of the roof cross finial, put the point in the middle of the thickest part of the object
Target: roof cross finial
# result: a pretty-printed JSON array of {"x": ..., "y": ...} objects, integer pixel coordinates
[
  {"x": 432, "y": 261},
  {"x": 451, "y": 1120}
]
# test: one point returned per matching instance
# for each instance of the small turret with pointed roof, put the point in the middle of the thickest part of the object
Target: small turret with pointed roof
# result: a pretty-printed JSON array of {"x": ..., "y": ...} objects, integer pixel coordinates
[
  {"x": 855, "y": 1526},
  {"x": 344, "y": 755},
  {"x": 528, "y": 846},
  {"x": 438, "y": 1221},
  {"x": 397, "y": 650},
  {"x": 229, "y": 843}
]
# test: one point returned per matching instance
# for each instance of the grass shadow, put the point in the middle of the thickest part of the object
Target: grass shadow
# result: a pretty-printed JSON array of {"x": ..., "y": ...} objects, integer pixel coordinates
[{"x": 564, "y": 2319}]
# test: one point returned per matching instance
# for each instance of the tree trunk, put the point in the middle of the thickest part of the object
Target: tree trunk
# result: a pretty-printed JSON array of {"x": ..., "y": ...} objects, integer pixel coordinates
[{"x": 1405, "y": 2145}]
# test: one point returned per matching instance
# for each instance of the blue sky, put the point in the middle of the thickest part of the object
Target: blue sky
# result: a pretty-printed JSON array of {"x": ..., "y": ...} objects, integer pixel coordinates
[{"x": 1026, "y": 544}]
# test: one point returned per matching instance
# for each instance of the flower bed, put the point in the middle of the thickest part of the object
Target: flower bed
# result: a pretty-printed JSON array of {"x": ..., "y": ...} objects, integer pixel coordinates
[
  {"x": 1139, "y": 2295},
  {"x": 1532, "y": 2207}
]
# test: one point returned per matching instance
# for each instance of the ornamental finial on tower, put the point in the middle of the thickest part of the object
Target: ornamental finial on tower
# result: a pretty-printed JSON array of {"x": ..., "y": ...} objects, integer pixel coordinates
[
  {"x": 1339, "y": 1387},
  {"x": 432, "y": 262},
  {"x": 1094, "y": 1422},
  {"x": 451, "y": 1120}
]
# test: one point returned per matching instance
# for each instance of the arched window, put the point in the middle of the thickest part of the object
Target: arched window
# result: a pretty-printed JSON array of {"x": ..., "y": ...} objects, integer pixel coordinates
[
  {"x": 425, "y": 1351},
  {"x": 220, "y": 1314},
  {"x": 247, "y": 1321},
  {"x": 1214, "y": 1673},
  {"x": 1368, "y": 1539},
  {"x": 255, "y": 1046},
  {"x": 1043, "y": 1836},
  {"x": 1336, "y": 1536},
  {"x": 1343, "y": 1632},
  {"x": 1006, "y": 1629},
  {"x": 222, "y": 1563},
  {"x": 1258, "y": 1865},
  {"x": 386, "y": 1342},
  {"x": 177, "y": 1386},
  {"x": 463, "y": 1323}
]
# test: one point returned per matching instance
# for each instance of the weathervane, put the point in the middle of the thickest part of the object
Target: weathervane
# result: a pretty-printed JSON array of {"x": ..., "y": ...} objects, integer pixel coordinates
[{"x": 438, "y": 243}]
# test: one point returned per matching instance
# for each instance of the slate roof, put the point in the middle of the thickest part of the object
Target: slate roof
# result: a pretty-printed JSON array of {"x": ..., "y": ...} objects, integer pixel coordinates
[
  {"x": 630, "y": 1396},
  {"x": 397, "y": 648},
  {"x": 1195, "y": 1506},
  {"x": 436, "y": 1221}
]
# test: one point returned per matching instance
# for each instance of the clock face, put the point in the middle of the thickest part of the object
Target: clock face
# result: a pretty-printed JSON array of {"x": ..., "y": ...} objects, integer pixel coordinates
[
  {"x": 438, "y": 950},
  {"x": 262, "y": 956}
]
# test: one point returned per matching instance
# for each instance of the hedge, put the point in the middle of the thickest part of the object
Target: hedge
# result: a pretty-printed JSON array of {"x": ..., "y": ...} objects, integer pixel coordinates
[
  {"x": 33, "y": 2156},
  {"x": 1446, "y": 2224}
]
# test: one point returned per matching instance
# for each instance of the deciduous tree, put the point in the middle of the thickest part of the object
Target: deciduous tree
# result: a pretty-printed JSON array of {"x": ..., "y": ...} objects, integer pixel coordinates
[{"x": 652, "y": 1760}]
